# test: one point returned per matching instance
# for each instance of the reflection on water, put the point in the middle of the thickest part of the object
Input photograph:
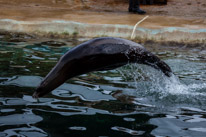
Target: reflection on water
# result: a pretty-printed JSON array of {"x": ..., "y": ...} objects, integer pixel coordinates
[{"x": 134, "y": 100}]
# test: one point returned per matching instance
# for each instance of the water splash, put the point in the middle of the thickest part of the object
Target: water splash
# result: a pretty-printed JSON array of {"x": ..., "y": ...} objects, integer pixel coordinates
[{"x": 153, "y": 87}]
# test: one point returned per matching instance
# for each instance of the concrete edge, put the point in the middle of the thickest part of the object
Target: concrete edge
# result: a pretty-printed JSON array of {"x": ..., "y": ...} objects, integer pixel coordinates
[{"x": 71, "y": 28}]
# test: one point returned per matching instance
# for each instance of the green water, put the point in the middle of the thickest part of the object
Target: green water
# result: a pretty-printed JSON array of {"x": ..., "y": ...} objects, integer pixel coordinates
[{"x": 133, "y": 100}]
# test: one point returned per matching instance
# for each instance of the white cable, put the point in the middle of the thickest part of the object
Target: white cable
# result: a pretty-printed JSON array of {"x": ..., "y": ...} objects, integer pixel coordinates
[{"x": 132, "y": 36}]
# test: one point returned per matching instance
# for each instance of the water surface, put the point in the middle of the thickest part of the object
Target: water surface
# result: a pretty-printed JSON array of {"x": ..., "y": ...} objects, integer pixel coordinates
[{"x": 134, "y": 100}]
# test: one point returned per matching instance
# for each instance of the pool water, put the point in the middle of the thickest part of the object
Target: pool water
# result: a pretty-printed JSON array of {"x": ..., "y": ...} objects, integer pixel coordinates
[{"x": 134, "y": 100}]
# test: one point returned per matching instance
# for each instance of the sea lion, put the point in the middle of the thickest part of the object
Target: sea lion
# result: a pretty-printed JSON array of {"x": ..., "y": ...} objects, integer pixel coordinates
[{"x": 98, "y": 54}]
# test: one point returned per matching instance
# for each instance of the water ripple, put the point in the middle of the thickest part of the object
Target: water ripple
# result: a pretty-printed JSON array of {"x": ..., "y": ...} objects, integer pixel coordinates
[{"x": 134, "y": 100}]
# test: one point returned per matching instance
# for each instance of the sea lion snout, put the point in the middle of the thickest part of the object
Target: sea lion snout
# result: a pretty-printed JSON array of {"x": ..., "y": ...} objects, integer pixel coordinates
[{"x": 40, "y": 91}]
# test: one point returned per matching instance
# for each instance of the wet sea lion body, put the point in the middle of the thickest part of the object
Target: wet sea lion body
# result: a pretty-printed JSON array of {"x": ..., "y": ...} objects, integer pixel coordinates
[{"x": 97, "y": 55}]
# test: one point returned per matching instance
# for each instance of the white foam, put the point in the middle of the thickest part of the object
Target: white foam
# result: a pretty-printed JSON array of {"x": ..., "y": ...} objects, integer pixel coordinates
[
  {"x": 173, "y": 86},
  {"x": 150, "y": 81}
]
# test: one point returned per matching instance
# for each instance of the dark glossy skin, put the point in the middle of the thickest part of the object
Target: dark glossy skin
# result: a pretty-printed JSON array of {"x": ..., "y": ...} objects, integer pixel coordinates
[{"x": 97, "y": 55}]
